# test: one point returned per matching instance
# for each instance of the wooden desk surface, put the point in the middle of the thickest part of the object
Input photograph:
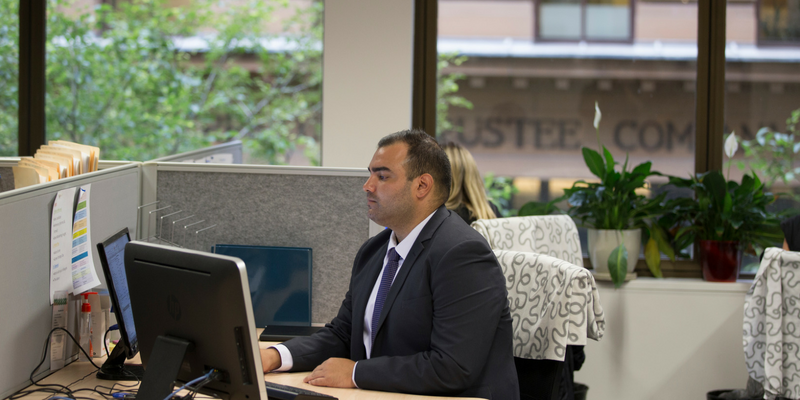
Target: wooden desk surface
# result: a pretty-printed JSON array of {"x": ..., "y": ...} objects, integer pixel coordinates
[
  {"x": 296, "y": 379},
  {"x": 82, "y": 375}
]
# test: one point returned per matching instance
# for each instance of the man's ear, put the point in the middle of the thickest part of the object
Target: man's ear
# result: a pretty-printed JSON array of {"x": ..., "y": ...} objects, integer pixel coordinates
[{"x": 424, "y": 186}]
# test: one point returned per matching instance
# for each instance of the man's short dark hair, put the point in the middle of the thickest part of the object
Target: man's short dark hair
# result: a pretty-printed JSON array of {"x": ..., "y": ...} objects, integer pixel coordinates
[{"x": 424, "y": 156}]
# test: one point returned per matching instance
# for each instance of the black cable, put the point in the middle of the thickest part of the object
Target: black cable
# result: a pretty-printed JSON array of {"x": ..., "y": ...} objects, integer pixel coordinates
[
  {"x": 114, "y": 327},
  {"x": 51, "y": 387}
]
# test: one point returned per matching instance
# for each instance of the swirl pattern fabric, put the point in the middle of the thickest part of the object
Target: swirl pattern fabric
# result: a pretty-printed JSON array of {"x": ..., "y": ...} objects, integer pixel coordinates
[
  {"x": 553, "y": 304},
  {"x": 772, "y": 324},
  {"x": 553, "y": 235}
]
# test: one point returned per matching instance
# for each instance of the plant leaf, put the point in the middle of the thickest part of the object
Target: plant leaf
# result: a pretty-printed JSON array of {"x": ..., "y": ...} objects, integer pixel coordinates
[
  {"x": 594, "y": 162},
  {"x": 657, "y": 232},
  {"x": 618, "y": 265},
  {"x": 643, "y": 168},
  {"x": 653, "y": 257},
  {"x": 609, "y": 160}
]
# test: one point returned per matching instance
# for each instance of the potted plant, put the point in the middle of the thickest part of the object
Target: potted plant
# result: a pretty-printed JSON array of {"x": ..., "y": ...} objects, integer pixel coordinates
[
  {"x": 724, "y": 217},
  {"x": 615, "y": 214}
]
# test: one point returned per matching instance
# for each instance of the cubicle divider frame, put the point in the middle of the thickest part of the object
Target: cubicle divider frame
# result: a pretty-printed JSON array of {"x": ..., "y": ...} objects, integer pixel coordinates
[
  {"x": 24, "y": 245},
  {"x": 234, "y": 148}
]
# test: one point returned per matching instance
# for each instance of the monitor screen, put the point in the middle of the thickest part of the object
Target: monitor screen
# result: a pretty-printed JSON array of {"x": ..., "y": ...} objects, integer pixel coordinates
[
  {"x": 112, "y": 258},
  {"x": 193, "y": 313},
  {"x": 280, "y": 282}
]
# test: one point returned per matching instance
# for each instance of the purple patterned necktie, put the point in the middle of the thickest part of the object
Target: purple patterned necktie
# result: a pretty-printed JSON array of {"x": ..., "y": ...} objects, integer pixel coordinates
[{"x": 383, "y": 289}]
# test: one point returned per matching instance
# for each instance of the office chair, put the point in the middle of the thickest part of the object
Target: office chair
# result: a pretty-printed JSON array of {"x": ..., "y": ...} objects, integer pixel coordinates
[
  {"x": 554, "y": 305},
  {"x": 772, "y": 324},
  {"x": 554, "y": 235}
]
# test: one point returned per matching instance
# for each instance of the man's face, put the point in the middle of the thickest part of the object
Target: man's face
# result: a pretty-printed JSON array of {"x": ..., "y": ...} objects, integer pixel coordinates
[{"x": 389, "y": 194}]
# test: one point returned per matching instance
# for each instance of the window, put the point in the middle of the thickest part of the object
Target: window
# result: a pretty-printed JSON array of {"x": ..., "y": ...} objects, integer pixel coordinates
[
  {"x": 9, "y": 76},
  {"x": 525, "y": 108},
  {"x": 145, "y": 79},
  {"x": 587, "y": 20},
  {"x": 762, "y": 90},
  {"x": 778, "y": 22}
]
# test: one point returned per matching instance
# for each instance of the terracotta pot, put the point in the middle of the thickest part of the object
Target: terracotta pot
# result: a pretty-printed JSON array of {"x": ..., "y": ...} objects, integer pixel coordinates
[{"x": 720, "y": 260}]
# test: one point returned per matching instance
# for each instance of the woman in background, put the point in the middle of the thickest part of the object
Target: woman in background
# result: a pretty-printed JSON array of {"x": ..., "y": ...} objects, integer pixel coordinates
[
  {"x": 791, "y": 231},
  {"x": 467, "y": 195}
]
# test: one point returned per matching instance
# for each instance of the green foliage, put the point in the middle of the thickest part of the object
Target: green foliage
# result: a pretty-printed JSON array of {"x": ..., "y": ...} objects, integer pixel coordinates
[
  {"x": 722, "y": 210},
  {"x": 613, "y": 203},
  {"x": 446, "y": 89},
  {"x": 116, "y": 78},
  {"x": 774, "y": 155},
  {"x": 499, "y": 190},
  {"x": 9, "y": 76},
  {"x": 538, "y": 208}
]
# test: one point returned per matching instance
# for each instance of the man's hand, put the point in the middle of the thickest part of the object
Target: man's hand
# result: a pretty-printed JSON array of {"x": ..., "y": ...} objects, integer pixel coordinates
[
  {"x": 270, "y": 359},
  {"x": 334, "y": 372}
]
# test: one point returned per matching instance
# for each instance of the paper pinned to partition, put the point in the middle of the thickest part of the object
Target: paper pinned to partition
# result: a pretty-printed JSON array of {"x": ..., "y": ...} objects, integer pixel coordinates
[
  {"x": 61, "y": 243},
  {"x": 84, "y": 275}
]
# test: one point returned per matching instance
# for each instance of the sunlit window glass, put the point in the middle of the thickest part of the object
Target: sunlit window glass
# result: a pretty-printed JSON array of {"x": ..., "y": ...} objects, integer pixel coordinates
[
  {"x": 762, "y": 99},
  {"x": 147, "y": 78},
  {"x": 9, "y": 76}
]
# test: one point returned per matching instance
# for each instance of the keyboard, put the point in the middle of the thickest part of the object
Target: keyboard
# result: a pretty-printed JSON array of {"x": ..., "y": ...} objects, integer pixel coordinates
[
  {"x": 284, "y": 392},
  {"x": 282, "y": 333}
]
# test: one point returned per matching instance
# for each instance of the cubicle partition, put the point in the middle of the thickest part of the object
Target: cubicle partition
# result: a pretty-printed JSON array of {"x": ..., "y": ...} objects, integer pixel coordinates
[
  {"x": 25, "y": 259},
  {"x": 226, "y": 153},
  {"x": 320, "y": 208}
]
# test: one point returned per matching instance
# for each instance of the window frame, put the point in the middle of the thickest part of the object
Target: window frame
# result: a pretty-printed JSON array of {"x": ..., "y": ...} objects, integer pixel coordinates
[
  {"x": 537, "y": 33},
  {"x": 763, "y": 42},
  {"x": 710, "y": 104}
]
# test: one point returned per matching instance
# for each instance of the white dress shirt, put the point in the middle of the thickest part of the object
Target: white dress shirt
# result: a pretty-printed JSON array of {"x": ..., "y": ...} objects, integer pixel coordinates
[{"x": 402, "y": 250}]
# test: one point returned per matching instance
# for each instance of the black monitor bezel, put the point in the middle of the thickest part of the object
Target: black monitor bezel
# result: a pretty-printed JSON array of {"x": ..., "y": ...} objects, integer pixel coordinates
[{"x": 131, "y": 349}]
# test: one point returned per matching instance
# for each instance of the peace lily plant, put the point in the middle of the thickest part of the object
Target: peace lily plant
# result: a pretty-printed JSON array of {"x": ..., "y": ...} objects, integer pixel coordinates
[
  {"x": 722, "y": 209},
  {"x": 614, "y": 204}
]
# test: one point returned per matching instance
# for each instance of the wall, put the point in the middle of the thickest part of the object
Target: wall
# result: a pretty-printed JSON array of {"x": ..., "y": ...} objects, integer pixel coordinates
[
  {"x": 667, "y": 339},
  {"x": 367, "y": 77}
]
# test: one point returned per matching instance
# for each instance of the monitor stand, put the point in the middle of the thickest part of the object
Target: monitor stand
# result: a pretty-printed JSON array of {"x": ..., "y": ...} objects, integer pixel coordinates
[
  {"x": 162, "y": 368},
  {"x": 115, "y": 369}
]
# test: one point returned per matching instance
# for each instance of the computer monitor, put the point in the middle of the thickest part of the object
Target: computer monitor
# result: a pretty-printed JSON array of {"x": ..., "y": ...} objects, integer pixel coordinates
[
  {"x": 280, "y": 282},
  {"x": 193, "y": 313},
  {"x": 112, "y": 258}
]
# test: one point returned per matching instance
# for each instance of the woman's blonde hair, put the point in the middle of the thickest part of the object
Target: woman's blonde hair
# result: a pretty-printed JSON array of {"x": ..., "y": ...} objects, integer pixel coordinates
[{"x": 466, "y": 187}]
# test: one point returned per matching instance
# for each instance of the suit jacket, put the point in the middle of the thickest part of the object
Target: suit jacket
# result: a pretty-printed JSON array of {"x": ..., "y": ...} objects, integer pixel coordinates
[{"x": 445, "y": 328}]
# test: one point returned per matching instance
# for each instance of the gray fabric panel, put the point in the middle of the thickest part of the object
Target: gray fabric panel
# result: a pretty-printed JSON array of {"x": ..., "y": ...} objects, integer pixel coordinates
[
  {"x": 6, "y": 179},
  {"x": 325, "y": 213}
]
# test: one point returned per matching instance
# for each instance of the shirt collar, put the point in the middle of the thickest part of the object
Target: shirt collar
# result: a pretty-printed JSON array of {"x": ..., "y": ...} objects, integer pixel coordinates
[{"x": 404, "y": 247}]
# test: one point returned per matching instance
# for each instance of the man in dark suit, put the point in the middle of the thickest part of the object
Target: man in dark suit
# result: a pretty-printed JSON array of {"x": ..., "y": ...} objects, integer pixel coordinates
[{"x": 426, "y": 311}]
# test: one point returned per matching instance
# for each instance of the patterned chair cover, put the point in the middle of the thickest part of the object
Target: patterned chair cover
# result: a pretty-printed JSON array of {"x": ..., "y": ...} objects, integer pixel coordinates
[
  {"x": 553, "y": 304},
  {"x": 554, "y": 235},
  {"x": 772, "y": 324}
]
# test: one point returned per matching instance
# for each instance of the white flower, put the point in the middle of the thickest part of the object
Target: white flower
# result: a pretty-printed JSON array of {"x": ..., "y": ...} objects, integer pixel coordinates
[
  {"x": 597, "y": 115},
  {"x": 731, "y": 145}
]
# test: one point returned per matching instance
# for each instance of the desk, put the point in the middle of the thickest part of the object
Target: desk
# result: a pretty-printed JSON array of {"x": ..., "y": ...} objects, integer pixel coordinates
[
  {"x": 82, "y": 375},
  {"x": 296, "y": 379}
]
